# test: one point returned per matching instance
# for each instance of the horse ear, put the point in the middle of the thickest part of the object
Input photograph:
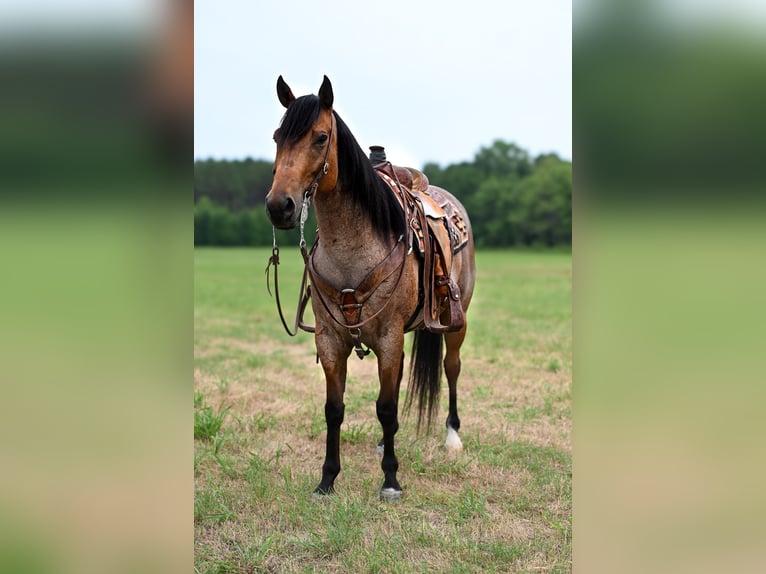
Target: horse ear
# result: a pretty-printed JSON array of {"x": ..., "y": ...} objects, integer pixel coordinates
[
  {"x": 284, "y": 93},
  {"x": 325, "y": 93}
]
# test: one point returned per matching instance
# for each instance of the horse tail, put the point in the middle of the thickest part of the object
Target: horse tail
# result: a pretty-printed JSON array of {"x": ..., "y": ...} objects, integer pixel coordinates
[{"x": 425, "y": 375}]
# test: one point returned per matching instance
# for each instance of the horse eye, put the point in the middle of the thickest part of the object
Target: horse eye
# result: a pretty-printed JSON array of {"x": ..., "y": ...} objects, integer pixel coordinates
[{"x": 321, "y": 139}]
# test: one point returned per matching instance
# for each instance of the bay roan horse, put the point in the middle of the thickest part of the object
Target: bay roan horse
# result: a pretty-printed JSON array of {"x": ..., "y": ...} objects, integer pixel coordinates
[{"x": 364, "y": 254}]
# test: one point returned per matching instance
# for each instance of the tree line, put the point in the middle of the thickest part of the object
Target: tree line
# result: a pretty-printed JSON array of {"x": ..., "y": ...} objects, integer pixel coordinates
[{"x": 512, "y": 198}]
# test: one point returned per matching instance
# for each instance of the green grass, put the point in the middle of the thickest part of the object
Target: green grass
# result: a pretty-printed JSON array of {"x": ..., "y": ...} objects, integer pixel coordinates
[
  {"x": 502, "y": 505},
  {"x": 207, "y": 420}
]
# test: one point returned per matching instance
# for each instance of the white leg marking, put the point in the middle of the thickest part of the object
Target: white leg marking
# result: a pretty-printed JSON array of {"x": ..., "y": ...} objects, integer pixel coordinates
[{"x": 453, "y": 440}]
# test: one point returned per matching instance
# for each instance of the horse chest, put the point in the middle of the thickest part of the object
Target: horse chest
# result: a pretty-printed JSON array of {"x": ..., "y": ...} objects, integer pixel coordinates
[{"x": 346, "y": 267}]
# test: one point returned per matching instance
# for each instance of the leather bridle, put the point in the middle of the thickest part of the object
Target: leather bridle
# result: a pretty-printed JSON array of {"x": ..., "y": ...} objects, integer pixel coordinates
[
  {"x": 325, "y": 164},
  {"x": 350, "y": 301},
  {"x": 305, "y": 293}
]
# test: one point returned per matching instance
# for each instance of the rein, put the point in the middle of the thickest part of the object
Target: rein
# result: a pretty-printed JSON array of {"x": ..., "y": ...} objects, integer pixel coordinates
[{"x": 304, "y": 293}]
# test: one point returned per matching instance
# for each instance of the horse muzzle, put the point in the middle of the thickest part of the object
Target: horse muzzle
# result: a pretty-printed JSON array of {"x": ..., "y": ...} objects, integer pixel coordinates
[{"x": 282, "y": 211}]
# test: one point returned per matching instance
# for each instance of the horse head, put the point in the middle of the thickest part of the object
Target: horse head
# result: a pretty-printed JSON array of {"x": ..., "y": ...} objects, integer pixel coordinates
[{"x": 306, "y": 160}]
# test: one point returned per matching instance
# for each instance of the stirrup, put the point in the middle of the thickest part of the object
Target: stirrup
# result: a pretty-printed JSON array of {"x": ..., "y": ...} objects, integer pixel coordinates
[{"x": 453, "y": 316}]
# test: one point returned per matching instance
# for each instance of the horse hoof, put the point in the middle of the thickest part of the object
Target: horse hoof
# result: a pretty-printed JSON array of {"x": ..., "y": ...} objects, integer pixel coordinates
[
  {"x": 320, "y": 494},
  {"x": 453, "y": 442},
  {"x": 390, "y": 495},
  {"x": 379, "y": 449}
]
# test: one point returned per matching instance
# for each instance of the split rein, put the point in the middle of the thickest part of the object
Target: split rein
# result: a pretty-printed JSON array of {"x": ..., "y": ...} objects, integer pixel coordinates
[{"x": 305, "y": 292}]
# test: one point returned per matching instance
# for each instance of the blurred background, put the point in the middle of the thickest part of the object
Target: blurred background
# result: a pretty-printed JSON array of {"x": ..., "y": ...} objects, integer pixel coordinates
[
  {"x": 668, "y": 286},
  {"x": 96, "y": 103}
]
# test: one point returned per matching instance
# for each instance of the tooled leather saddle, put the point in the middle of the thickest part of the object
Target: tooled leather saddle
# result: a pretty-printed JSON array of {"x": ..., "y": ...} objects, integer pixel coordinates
[{"x": 438, "y": 231}]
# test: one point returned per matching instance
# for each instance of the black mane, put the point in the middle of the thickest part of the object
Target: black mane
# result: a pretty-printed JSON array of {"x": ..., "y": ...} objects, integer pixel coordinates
[{"x": 356, "y": 176}]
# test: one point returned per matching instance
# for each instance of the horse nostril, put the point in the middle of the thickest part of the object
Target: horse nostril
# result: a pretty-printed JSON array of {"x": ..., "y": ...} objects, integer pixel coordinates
[{"x": 280, "y": 209}]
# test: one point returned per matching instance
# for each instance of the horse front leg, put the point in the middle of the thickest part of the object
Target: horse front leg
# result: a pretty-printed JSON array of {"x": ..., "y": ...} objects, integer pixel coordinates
[
  {"x": 379, "y": 448},
  {"x": 333, "y": 354},
  {"x": 387, "y": 408}
]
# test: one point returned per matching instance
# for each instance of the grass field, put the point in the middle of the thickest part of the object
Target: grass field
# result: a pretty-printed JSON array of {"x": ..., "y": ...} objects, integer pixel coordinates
[{"x": 501, "y": 505}]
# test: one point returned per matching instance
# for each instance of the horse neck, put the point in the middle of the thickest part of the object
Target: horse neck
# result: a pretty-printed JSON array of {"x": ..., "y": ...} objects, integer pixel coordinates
[{"x": 348, "y": 246}]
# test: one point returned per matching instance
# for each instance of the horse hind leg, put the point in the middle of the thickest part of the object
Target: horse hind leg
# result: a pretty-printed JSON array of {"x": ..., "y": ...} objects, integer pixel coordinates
[{"x": 453, "y": 342}]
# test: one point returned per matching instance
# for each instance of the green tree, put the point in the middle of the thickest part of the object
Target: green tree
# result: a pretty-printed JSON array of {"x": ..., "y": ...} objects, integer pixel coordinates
[
  {"x": 488, "y": 208},
  {"x": 461, "y": 179},
  {"x": 503, "y": 159},
  {"x": 542, "y": 205},
  {"x": 234, "y": 184},
  {"x": 511, "y": 199},
  {"x": 202, "y": 219}
]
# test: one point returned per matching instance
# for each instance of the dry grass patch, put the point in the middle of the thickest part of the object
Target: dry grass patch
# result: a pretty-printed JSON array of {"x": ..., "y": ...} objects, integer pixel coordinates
[{"x": 501, "y": 505}]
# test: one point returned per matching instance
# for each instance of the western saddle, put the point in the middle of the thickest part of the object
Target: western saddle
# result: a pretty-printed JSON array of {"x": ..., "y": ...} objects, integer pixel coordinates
[{"x": 438, "y": 232}]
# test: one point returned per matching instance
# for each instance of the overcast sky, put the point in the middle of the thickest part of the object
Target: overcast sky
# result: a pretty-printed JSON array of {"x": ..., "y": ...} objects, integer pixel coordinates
[{"x": 429, "y": 80}]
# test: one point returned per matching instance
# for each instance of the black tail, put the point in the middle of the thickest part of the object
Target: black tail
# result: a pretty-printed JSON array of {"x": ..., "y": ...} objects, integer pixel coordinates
[{"x": 425, "y": 375}]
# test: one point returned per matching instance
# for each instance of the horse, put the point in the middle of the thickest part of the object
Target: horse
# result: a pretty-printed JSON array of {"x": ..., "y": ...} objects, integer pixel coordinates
[{"x": 363, "y": 251}]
